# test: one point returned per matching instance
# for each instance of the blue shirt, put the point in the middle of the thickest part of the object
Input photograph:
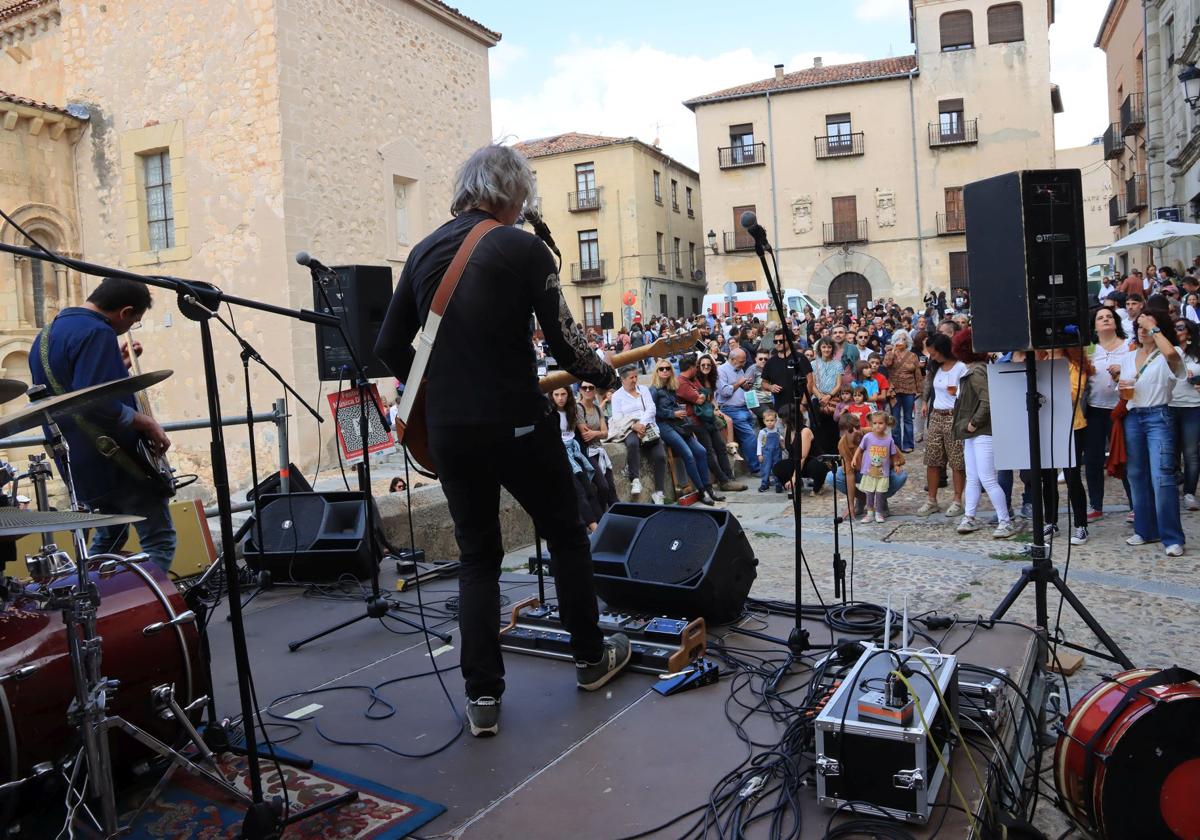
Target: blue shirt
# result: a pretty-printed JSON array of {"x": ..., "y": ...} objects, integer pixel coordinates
[
  {"x": 727, "y": 395},
  {"x": 84, "y": 351}
]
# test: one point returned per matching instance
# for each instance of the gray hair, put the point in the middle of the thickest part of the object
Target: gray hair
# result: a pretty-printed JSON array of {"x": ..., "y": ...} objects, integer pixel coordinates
[
  {"x": 902, "y": 335},
  {"x": 625, "y": 370},
  {"x": 495, "y": 175}
]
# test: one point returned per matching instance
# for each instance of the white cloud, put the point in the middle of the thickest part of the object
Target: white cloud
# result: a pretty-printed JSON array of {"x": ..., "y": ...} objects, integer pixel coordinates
[
  {"x": 504, "y": 57},
  {"x": 1078, "y": 68},
  {"x": 622, "y": 90},
  {"x": 881, "y": 10}
]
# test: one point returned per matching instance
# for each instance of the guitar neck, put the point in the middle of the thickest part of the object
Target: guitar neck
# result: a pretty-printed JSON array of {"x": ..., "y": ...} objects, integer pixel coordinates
[{"x": 562, "y": 379}]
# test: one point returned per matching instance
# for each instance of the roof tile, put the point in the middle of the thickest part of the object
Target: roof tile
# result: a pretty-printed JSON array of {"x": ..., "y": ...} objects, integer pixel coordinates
[
  {"x": 32, "y": 103},
  {"x": 833, "y": 74},
  {"x": 572, "y": 141}
]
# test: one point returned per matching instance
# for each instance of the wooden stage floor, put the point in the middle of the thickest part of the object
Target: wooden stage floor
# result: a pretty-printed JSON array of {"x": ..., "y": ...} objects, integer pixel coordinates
[{"x": 566, "y": 763}]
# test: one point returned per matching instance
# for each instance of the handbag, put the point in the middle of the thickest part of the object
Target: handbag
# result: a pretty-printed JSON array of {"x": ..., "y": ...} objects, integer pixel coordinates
[{"x": 651, "y": 434}]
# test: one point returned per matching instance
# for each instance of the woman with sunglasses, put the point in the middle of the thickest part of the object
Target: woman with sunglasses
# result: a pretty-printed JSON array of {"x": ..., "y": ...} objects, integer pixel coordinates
[
  {"x": 1185, "y": 400},
  {"x": 698, "y": 396},
  {"x": 593, "y": 429},
  {"x": 677, "y": 433}
]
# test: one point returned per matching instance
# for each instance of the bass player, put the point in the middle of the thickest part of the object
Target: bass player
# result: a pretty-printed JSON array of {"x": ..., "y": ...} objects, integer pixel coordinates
[
  {"x": 78, "y": 349},
  {"x": 489, "y": 424}
]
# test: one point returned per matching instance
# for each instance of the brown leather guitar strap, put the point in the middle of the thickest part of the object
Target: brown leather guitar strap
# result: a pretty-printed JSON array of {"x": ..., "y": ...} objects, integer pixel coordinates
[{"x": 445, "y": 290}]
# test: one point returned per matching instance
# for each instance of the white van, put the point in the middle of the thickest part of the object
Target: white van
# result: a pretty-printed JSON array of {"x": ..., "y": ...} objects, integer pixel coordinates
[{"x": 758, "y": 303}]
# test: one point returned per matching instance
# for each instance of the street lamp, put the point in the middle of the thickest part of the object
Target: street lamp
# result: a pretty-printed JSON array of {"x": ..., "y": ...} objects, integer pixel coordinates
[
  {"x": 1190, "y": 79},
  {"x": 712, "y": 241}
]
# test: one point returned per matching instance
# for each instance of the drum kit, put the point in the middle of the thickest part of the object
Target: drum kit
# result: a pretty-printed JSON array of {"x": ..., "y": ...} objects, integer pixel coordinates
[{"x": 60, "y": 703}]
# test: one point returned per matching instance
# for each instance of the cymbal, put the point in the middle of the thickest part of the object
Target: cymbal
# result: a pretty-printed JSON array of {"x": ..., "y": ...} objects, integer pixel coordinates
[
  {"x": 18, "y": 523},
  {"x": 34, "y": 414},
  {"x": 10, "y": 389}
]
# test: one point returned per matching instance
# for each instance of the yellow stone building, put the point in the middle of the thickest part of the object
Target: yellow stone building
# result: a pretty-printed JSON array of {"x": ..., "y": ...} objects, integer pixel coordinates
[
  {"x": 856, "y": 170},
  {"x": 627, "y": 219},
  {"x": 213, "y": 140}
]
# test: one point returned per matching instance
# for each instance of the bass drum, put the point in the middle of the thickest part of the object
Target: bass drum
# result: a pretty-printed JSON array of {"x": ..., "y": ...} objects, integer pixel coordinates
[
  {"x": 1127, "y": 764},
  {"x": 33, "y": 708}
]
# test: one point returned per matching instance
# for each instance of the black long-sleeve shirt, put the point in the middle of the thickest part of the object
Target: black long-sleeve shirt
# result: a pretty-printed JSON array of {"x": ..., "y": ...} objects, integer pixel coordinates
[{"x": 482, "y": 370}]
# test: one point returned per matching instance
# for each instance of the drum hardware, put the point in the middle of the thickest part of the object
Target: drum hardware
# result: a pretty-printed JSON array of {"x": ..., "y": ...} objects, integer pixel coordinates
[
  {"x": 48, "y": 564},
  {"x": 20, "y": 674},
  {"x": 188, "y": 617},
  {"x": 10, "y": 389}
]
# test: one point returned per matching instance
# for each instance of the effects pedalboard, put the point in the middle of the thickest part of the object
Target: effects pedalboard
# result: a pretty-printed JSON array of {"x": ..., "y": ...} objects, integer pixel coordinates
[{"x": 660, "y": 645}]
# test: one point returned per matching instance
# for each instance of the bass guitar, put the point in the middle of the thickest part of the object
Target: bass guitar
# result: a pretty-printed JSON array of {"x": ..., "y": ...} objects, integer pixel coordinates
[{"x": 159, "y": 473}]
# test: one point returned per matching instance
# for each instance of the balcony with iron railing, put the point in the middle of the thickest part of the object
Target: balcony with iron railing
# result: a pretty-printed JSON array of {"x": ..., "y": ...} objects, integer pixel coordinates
[
  {"x": 839, "y": 145},
  {"x": 951, "y": 223},
  {"x": 1133, "y": 114},
  {"x": 592, "y": 272},
  {"x": 738, "y": 241},
  {"x": 1136, "y": 194},
  {"x": 584, "y": 200},
  {"x": 733, "y": 157},
  {"x": 962, "y": 133},
  {"x": 1113, "y": 144},
  {"x": 1116, "y": 210},
  {"x": 843, "y": 233}
]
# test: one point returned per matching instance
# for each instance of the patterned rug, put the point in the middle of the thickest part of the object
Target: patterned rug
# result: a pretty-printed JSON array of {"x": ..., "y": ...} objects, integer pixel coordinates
[{"x": 191, "y": 808}]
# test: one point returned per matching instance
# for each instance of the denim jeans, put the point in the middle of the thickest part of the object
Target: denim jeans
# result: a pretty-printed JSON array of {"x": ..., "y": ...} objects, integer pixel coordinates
[
  {"x": 695, "y": 458},
  {"x": 743, "y": 430},
  {"x": 895, "y": 484},
  {"x": 1187, "y": 432},
  {"x": 1150, "y": 449},
  {"x": 1095, "y": 453},
  {"x": 902, "y": 432},
  {"x": 156, "y": 532}
]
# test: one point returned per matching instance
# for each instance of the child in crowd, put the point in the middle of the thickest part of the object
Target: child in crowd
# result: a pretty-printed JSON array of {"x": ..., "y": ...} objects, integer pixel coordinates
[
  {"x": 770, "y": 449},
  {"x": 849, "y": 437},
  {"x": 864, "y": 378},
  {"x": 876, "y": 456},
  {"x": 886, "y": 398},
  {"x": 860, "y": 407},
  {"x": 845, "y": 398}
]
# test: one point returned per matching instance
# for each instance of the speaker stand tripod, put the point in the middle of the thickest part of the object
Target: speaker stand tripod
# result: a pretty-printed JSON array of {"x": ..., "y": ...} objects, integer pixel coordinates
[{"x": 1041, "y": 572}]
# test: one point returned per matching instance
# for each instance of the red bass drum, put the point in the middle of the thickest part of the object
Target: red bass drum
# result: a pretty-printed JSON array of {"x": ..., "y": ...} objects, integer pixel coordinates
[
  {"x": 33, "y": 708},
  {"x": 1127, "y": 764}
]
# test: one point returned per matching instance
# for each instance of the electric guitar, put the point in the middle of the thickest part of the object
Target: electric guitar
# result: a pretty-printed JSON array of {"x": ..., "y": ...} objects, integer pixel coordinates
[{"x": 158, "y": 470}]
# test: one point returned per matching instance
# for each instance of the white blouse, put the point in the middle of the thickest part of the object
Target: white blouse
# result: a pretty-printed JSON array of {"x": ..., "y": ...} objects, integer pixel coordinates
[
  {"x": 1103, "y": 393},
  {"x": 1154, "y": 386}
]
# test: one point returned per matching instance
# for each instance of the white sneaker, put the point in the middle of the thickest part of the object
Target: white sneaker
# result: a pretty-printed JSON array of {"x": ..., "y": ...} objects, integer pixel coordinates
[
  {"x": 1174, "y": 551},
  {"x": 1079, "y": 536},
  {"x": 1005, "y": 530},
  {"x": 1189, "y": 501},
  {"x": 635, "y": 487},
  {"x": 1136, "y": 539},
  {"x": 968, "y": 524},
  {"x": 657, "y": 497}
]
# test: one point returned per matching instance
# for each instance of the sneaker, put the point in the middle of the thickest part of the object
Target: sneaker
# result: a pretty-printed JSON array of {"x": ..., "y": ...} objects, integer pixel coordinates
[
  {"x": 955, "y": 509},
  {"x": 1189, "y": 501},
  {"x": 868, "y": 518},
  {"x": 1050, "y": 531},
  {"x": 1174, "y": 551},
  {"x": 927, "y": 508},
  {"x": 592, "y": 675},
  {"x": 1093, "y": 515},
  {"x": 968, "y": 524},
  {"x": 483, "y": 716},
  {"x": 1027, "y": 510},
  {"x": 635, "y": 487},
  {"x": 713, "y": 494},
  {"x": 657, "y": 497},
  {"x": 762, "y": 488},
  {"x": 779, "y": 489},
  {"x": 1079, "y": 536},
  {"x": 732, "y": 486},
  {"x": 879, "y": 517},
  {"x": 1136, "y": 539},
  {"x": 1006, "y": 530}
]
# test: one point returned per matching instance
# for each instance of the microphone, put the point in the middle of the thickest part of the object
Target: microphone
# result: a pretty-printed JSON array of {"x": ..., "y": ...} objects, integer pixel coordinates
[
  {"x": 308, "y": 261},
  {"x": 541, "y": 229},
  {"x": 750, "y": 223}
]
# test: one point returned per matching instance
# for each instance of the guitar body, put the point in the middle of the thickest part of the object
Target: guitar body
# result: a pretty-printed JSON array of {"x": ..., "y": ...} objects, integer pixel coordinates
[
  {"x": 414, "y": 434},
  {"x": 159, "y": 473}
]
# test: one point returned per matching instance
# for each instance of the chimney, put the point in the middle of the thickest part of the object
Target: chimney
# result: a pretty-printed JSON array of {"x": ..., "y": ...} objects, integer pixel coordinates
[
  {"x": 817, "y": 62},
  {"x": 779, "y": 72}
]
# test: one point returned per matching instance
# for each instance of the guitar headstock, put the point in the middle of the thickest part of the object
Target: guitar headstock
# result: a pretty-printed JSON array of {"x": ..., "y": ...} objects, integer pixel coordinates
[{"x": 673, "y": 345}]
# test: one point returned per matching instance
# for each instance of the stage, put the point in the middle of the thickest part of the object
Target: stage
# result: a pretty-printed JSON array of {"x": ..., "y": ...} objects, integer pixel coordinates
[{"x": 608, "y": 764}]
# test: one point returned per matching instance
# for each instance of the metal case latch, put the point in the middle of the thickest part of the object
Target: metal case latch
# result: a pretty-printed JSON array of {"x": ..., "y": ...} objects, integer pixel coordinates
[{"x": 908, "y": 780}]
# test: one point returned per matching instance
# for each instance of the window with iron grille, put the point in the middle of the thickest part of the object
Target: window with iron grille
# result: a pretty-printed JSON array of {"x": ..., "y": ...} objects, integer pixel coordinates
[
  {"x": 958, "y": 268},
  {"x": 589, "y": 250},
  {"x": 591, "y": 311},
  {"x": 957, "y": 31},
  {"x": 1005, "y": 23},
  {"x": 160, "y": 209},
  {"x": 585, "y": 177},
  {"x": 741, "y": 139},
  {"x": 837, "y": 131},
  {"x": 950, "y": 119}
]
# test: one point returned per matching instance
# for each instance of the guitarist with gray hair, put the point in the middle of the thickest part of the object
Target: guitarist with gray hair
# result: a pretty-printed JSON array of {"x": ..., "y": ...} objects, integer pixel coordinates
[{"x": 488, "y": 423}]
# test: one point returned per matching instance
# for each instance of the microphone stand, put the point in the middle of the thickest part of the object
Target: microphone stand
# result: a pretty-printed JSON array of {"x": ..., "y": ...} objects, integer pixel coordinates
[
  {"x": 263, "y": 820},
  {"x": 377, "y": 605},
  {"x": 798, "y": 641}
]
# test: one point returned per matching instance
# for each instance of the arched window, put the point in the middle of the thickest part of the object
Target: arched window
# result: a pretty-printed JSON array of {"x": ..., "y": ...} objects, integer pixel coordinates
[
  {"x": 957, "y": 31},
  {"x": 1005, "y": 24},
  {"x": 38, "y": 286}
]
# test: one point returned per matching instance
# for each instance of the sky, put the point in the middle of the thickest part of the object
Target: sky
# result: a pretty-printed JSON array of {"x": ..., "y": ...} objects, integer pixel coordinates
[{"x": 623, "y": 68}]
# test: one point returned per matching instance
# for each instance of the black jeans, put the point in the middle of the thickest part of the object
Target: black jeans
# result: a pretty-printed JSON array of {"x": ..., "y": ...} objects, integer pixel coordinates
[
  {"x": 606, "y": 488},
  {"x": 1095, "y": 453},
  {"x": 658, "y": 458},
  {"x": 718, "y": 455},
  {"x": 473, "y": 464},
  {"x": 1075, "y": 493}
]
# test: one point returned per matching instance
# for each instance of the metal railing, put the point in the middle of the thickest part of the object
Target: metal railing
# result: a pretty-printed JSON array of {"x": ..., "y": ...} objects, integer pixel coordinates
[
  {"x": 591, "y": 273},
  {"x": 1116, "y": 210},
  {"x": 949, "y": 224},
  {"x": 966, "y": 131},
  {"x": 583, "y": 200},
  {"x": 1133, "y": 114},
  {"x": 731, "y": 157},
  {"x": 839, "y": 145},
  {"x": 841, "y": 233},
  {"x": 738, "y": 241},
  {"x": 1113, "y": 144},
  {"x": 1135, "y": 193}
]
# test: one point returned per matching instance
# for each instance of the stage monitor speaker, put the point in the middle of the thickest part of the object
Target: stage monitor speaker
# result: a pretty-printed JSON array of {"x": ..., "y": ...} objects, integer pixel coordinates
[
  {"x": 606, "y": 320},
  {"x": 1026, "y": 260},
  {"x": 690, "y": 562},
  {"x": 360, "y": 296},
  {"x": 311, "y": 536},
  {"x": 297, "y": 483}
]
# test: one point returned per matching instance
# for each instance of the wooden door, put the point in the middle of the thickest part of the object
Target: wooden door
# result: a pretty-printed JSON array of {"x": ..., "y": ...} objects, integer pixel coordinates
[
  {"x": 845, "y": 218},
  {"x": 956, "y": 219},
  {"x": 742, "y": 239}
]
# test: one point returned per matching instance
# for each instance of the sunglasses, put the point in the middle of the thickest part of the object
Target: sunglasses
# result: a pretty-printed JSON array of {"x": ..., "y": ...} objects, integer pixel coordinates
[
  {"x": 587, "y": 387},
  {"x": 1181, "y": 328},
  {"x": 661, "y": 369},
  {"x": 780, "y": 341}
]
